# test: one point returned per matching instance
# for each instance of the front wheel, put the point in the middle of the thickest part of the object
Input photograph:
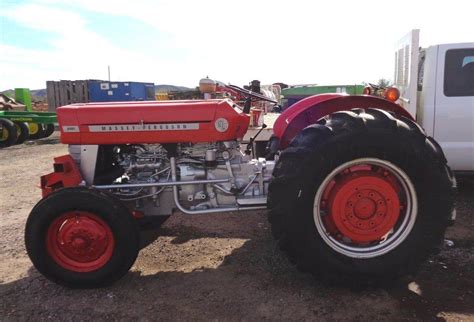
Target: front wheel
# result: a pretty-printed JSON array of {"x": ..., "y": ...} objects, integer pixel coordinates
[
  {"x": 81, "y": 238},
  {"x": 361, "y": 195}
]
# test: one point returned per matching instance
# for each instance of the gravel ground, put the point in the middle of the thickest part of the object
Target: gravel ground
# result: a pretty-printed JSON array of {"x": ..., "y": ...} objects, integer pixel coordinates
[{"x": 217, "y": 267}]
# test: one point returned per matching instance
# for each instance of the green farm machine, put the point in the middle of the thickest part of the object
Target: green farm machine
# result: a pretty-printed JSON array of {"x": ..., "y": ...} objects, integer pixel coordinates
[{"x": 17, "y": 126}]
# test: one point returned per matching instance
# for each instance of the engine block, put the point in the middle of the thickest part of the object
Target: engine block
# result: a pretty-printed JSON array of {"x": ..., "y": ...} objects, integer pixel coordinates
[{"x": 216, "y": 175}]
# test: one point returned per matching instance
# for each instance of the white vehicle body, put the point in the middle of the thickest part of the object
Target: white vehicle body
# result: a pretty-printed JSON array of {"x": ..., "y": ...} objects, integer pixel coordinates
[{"x": 437, "y": 87}]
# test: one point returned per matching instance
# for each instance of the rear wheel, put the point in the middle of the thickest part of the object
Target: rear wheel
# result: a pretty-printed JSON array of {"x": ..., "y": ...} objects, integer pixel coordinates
[
  {"x": 365, "y": 208},
  {"x": 36, "y": 130},
  {"x": 8, "y": 133},
  {"x": 81, "y": 238},
  {"x": 23, "y": 132},
  {"x": 361, "y": 196}
]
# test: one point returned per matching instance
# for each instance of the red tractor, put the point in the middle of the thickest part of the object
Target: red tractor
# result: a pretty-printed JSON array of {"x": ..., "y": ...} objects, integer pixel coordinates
[{"x": 355, "y": 190}]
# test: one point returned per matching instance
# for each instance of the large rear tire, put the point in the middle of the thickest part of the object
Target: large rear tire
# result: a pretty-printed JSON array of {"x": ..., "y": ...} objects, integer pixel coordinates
[
  {"x": 81, "y": 238},
  {"x": 361, "y": 196}
]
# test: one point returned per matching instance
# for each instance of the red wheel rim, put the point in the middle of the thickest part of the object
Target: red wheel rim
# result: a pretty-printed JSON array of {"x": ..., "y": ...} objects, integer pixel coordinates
[
  {"x": 362, "y": 204},
  {"x": 365, "y": 208},
  {"x": 80, "y": 241}
]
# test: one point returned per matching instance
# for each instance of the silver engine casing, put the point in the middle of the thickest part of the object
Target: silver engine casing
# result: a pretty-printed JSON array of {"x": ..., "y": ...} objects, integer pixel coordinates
[{"x": 243, "y": 181}]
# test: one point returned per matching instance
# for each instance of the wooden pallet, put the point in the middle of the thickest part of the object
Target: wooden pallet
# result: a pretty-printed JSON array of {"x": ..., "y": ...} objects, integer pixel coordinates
[{"x": 66, "y": 92}]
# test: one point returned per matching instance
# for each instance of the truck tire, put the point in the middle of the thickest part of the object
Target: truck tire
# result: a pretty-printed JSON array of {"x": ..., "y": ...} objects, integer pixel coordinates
[
  {"x": 81, "y": 238},
  {"x": 361, "y": 197},
  {"x": 8, "y": 134},
  {"x": 23, "y": 132},
  {"x": 36, "y": 130},
  {"x": 48, "y": 130}
]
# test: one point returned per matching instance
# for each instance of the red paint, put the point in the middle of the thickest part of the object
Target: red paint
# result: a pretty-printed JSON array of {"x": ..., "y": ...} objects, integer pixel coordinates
[
  {"x": 203, "y": 112},
  {"x": 66, "y": 174},
  {"x": 80, "y": 241},
  {"x": 361, "y": 204},
  {"x": 137, "y": 214},
  {"x": 309, "y": 110},
  {"x": 299, "y": 107}
]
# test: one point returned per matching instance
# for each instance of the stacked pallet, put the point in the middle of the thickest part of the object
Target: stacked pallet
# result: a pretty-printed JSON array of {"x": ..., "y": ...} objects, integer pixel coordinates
[{"x": 66, "y": 92}]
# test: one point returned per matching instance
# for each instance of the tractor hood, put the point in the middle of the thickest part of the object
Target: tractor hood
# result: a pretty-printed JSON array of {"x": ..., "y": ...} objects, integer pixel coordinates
[{"x": 152, "y": 122}]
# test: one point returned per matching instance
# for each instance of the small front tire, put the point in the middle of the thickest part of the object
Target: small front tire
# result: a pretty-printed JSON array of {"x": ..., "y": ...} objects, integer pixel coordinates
[{"x": 81, "y": 238}]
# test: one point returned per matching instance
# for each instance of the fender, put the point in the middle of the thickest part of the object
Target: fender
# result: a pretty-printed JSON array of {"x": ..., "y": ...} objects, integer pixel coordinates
[{"x": 309, "y": 110}]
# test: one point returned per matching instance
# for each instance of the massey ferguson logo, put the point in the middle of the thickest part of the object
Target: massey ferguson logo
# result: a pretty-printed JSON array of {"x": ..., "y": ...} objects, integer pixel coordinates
[
  {"x": 221, "y": 124},
  {"x": 144, "y": 127}
]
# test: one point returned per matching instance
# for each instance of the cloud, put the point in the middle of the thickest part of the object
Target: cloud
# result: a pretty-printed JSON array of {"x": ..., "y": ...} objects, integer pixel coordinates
[{"x": 294, "y": 42}]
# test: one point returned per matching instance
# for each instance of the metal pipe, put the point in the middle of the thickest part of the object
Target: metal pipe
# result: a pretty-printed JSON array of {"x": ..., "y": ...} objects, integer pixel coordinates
[
  {"x": 208, "y": 211},
  {"x": 204, "y": 211},
  {"x": 224, "y": 190},
  {"x": 158, "y": 184}
]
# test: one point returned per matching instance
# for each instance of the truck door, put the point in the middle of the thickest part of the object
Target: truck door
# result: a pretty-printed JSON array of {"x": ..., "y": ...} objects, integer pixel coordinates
[{"x": 454, "y": 104}]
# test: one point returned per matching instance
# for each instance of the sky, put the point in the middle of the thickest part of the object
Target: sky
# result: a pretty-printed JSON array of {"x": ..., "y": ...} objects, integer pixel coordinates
[{"x": 179, "y": 42}]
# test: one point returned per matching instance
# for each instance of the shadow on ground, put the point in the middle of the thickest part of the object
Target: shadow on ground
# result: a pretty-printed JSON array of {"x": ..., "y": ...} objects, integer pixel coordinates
[{"x": 228, "y": 267}]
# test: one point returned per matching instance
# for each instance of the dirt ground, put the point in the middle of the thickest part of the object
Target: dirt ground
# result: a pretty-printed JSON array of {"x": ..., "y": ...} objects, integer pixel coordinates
[{"x": 217, "y": 267}]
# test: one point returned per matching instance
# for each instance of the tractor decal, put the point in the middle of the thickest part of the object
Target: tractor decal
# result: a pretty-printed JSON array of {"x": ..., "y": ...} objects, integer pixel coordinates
[{"x": 144, "y": 127}]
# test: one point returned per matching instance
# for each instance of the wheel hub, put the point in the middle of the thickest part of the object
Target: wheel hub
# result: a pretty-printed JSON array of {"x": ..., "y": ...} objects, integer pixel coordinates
[
  {"x": 33, "y": 127},
  {"x": 4, "y": 135},
  {"x": 363, "y": 206},
  {"x": 80, "y": 241}
]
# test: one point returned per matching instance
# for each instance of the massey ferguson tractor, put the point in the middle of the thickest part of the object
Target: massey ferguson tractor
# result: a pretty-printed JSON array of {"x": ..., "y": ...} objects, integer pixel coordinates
[{"x": 355, "y": 189}]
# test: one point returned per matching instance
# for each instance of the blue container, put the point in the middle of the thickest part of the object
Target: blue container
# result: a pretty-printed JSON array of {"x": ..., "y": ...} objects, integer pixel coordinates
[{"x": 105, "y": 91}]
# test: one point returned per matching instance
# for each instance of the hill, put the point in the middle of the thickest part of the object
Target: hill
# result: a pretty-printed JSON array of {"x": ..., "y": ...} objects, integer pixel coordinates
[
  {"x": 171, "y": 88},
  {"x": 36, "y": 94}
]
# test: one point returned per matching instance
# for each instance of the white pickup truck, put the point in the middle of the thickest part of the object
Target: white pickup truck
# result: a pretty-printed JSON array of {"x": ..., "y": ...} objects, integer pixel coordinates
[{"x": 437, "y": 87}]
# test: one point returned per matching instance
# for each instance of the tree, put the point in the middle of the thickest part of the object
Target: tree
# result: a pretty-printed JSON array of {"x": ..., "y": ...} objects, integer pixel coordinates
[{"x": 383, "y": 82}]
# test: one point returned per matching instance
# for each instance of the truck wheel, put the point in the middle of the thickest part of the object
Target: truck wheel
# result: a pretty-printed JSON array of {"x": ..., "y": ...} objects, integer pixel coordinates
[
  {"x": 8, "y": 134},
  {"x": 361, "y": 196},
  {"x": 48, "y": 130},
  {"x": 23, "y": 132},
  {"x": 36, "y": 130},
  {"x": 81, "y": 238}
]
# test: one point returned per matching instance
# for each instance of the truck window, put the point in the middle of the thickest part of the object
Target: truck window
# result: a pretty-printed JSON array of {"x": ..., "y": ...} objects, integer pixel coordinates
[{"x": 459, "y": 72}]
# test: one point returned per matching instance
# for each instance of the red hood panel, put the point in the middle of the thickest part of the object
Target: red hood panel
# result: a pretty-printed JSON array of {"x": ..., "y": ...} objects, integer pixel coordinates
[{"x": 151, "y": 122}]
